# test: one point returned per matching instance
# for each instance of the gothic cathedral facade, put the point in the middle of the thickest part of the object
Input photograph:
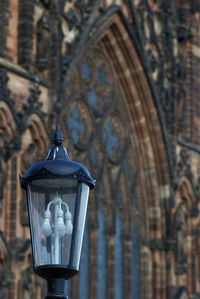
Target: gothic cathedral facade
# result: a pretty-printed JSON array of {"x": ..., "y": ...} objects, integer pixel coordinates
[{"x": 122, "y": 79}]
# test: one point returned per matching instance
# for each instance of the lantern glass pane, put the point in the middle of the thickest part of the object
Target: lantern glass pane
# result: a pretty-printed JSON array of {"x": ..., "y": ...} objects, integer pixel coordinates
[
  {"x": 51, "y": 211},
  {"x": 80, "y": 225},
  {"x": 57, "y": 212}
]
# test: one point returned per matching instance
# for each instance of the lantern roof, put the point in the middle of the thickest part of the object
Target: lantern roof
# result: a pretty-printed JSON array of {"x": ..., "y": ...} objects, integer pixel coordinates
[{"x": 57, "y": 165}]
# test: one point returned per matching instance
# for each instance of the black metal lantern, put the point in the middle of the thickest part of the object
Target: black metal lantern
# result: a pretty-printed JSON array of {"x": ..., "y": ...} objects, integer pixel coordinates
[{"x": 57, "y": 194}]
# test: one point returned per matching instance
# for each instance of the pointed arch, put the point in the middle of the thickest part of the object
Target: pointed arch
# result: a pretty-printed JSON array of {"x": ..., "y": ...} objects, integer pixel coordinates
[
  {"x": 119, "y": 258},
  {"x": 38, "y": 132},
  {"x": 7, "y": 143},
  {"x": 185, "y": 192},
  {"x": 7, "y": 121},
  {"x": 101, "y": 257},
  {"x": 34, "y": 148},
  {"x": 147, "y": 131},
  {"x": 131, "y": 125}
]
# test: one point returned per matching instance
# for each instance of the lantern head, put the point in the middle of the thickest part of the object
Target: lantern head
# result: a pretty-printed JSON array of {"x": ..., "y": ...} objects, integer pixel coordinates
[{"x": 57, "y": 195}]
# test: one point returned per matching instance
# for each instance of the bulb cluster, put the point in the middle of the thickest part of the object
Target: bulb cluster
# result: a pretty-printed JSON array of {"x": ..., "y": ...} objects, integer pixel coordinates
[{"x": 62, "y": 221}]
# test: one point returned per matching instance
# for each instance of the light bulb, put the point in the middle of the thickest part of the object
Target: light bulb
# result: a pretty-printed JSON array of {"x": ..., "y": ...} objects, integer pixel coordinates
[
  {"x": 60, "y": 226},
  {"x": 46, "y": 227},
  {"x": 68, "y": 215},
  {"x": 69, "y": 227}
]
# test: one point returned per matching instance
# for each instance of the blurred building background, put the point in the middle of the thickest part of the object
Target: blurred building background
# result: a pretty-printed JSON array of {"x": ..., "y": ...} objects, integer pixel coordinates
[{"x": 122, "y": 79}]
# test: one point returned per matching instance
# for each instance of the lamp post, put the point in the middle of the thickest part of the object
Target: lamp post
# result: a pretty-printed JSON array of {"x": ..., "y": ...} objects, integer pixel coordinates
[{"x": 57, "y": 192}]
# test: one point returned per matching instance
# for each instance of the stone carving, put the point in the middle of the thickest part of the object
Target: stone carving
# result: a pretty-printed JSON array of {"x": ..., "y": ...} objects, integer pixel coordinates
[
  {"x": 43, "y": 38},
  {"x": 79, "y": 16},
  {"x": 33, "y": 105},
  {"x": 12, "y": 145},
  {"x": 19, "y": 248},
  {"x": 181, "y": 235},
  {"x": 159, "y": 35},
  {"x": 26, "y": 287},
  {"x": 4, "y": 91},
  {"x": 183, "y": 165}
]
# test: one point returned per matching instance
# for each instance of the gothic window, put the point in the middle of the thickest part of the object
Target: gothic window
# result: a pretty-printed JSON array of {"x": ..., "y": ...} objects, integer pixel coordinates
[
  {"x": 135, "y": 285},
  {"x": 101, "y": 257},
  {"x": 119, "y": 269},
  {"x": 84, "y": 266},
  {"x": 95, "y": 121}
]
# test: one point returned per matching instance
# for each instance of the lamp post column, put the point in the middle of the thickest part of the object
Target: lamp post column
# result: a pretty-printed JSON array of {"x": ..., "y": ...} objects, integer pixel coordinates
[{"x": 56, "y": 289}]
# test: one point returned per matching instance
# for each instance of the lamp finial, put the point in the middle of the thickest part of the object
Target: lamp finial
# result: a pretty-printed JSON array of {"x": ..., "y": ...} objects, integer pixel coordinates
[{"x": 58, "y": 137}]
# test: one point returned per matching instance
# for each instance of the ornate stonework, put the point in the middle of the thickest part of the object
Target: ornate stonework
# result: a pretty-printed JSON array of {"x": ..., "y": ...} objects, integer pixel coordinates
[{"x": 122, "y": 79}]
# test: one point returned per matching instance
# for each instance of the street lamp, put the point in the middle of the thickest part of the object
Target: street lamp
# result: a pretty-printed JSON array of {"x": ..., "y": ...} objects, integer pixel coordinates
[{"x": 57, "y": 195}]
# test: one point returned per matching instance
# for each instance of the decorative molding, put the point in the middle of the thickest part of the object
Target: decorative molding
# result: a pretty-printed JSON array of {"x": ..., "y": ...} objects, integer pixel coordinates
[
  {"x": 33, "y": 105},
  {"x": 80, "y": 18},
  {"x": 184, "y": 165},
  {"x": 22, "y": 72},
  {"x": 21, "y": 246},
  {"x": 189, "y": 146}
]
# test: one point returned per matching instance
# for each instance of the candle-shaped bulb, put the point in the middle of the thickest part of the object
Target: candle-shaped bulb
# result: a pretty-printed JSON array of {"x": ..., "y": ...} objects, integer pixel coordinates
[
  {"x": 46, "y": 227},
  {"x": 60, "y": 226},
  {"x": 69, "y": 226}
]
